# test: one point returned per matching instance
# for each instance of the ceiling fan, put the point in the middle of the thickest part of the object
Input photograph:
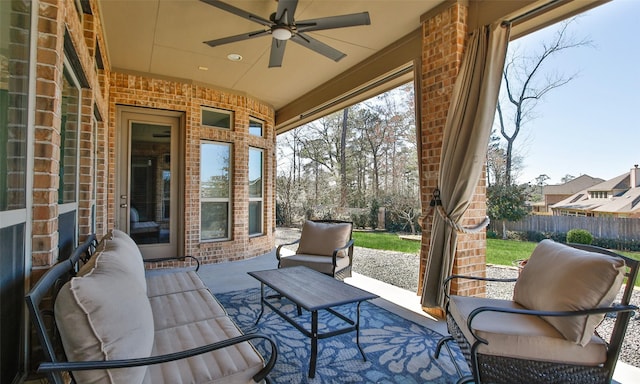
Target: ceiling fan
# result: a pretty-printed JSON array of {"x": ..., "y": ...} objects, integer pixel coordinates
[{"x": 282, "y": 26}]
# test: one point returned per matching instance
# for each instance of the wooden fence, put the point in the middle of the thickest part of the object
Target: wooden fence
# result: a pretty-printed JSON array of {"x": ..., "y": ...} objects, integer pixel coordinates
[{"x": 599, "y": 227}]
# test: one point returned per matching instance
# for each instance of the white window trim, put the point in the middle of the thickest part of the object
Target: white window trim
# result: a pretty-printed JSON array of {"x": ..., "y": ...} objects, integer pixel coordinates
[
  {"x": 255, "y": 120},
  {"x": 218, "y": 199},
  {"x": 218, "y": 110},
  {"x": 261, "y": 198}
]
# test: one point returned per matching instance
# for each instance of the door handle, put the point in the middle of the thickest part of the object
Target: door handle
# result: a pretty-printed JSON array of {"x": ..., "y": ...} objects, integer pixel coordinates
[{"x": 123, "y": 205}]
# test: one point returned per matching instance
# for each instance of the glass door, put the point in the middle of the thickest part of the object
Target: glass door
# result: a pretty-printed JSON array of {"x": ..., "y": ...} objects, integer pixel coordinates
[{"x": 148, "y": 190}]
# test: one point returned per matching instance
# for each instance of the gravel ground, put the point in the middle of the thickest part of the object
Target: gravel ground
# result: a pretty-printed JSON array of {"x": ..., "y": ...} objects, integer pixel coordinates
[{"x": 401, "y": 270}]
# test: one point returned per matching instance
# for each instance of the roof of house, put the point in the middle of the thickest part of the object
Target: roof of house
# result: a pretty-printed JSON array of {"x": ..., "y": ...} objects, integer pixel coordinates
[
  {"x": 572, "y": 186},
  {"x": 617, "y": 183},
  {"x": 628, "y": 201}
]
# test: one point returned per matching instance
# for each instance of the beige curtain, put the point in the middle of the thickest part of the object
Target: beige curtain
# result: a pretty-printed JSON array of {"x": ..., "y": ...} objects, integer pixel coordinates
[{"x": 464, "y": 147}]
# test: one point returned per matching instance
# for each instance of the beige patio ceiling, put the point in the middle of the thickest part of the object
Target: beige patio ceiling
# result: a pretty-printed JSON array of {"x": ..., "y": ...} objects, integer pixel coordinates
[{"x": 165, "y": 38}]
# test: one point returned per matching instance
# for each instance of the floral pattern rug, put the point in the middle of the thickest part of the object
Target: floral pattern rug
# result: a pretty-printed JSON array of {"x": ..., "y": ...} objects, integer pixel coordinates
[{"x": 397, "y": 350}]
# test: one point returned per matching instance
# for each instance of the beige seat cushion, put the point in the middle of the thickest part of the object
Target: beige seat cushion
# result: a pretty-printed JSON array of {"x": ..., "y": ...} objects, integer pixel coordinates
[
  {"x": 184, "y": 307},
  {"x": 234, "y": 365},
  {"x": 173, "y": 282},
  {"x": 323, "y": 238},
  {"x": 522, "y": 336},
  {"x": 561, "y": 278},
  {"x": 105, "y": 315},
  {"x": 319, "y": 263}
]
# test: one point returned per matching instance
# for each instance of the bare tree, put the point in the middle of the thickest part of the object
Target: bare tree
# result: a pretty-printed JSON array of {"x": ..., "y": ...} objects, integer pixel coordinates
[
  {"x": 343, "y": 158},
  {"x": 526, "y": 81}
]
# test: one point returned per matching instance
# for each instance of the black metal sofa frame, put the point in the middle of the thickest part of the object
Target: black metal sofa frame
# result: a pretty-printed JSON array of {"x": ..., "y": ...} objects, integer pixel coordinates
[
  {"x": 487, "y": 368},
  {"x": 56, "y": 363}
]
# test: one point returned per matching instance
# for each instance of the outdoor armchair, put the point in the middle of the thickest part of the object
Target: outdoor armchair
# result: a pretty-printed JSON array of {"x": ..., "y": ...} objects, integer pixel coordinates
[
  {"x": 547, "y": 332},
  {"x": 324, "y": 245}
]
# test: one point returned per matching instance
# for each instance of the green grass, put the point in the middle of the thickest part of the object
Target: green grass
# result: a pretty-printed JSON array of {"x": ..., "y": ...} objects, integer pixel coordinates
[
  {"x": 499, "y": 252},
  {"x": 385, "y": 241},
  {"x": 505, "y": 252}
]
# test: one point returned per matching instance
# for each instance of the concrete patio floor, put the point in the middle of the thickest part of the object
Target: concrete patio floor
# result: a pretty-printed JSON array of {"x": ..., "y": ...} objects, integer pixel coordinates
[{"x": 232, "y": 276}]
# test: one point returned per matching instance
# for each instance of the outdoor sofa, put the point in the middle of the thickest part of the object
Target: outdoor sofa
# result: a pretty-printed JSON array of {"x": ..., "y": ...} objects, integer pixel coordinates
[{"x": 165, "y": 328}]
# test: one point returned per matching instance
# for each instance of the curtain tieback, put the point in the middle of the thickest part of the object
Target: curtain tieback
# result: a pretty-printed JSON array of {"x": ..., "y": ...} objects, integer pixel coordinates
[{"x": 437, "y": 204}]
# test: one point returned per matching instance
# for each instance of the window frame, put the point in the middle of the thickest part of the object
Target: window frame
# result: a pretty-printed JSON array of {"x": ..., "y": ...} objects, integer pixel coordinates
[
  {"x": 259, "y": 199},
  {"x": 72, "y": 205},
  {"x": 255, "y": 120},
  {"x": 228, "y": 200},
  {"x": 216, "y": 110}
]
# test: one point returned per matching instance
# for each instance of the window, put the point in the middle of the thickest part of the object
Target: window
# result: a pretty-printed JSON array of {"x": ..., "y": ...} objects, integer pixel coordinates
[
  {"x": 255, "y": 127},
  {"x": 216, "y": 118},
  {"x": 70, "y": 109},
  {"x": 215, "y": 184},
  {"x": 15, "y": 137},
  {"x": 255, "y": 191}
]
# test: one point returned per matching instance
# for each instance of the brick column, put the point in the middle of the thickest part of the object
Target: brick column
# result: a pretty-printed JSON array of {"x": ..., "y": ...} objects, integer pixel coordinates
[
  {"x": 443, "y": 42},
  {"x": 47, "y": 132}
]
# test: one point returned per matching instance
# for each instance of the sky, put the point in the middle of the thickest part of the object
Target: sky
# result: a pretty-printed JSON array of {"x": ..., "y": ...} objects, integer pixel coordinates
[{"x": 591, "y": 125}]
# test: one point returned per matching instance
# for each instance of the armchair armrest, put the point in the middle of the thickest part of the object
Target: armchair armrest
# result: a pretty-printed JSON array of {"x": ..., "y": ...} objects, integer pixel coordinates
[
  {"x": 531, "y": 312},
  {"x": 179, "y": 258},
  {"x": 143, "y": 361},
  {"x": 346, "y": 246},
  {"x": 453, "y": 277},
  {"x": 282, "y": 245}
]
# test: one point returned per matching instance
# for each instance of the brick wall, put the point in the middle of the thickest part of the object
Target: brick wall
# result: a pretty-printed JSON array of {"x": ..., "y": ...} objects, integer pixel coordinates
[
  {"x": 444, "y": 36},
  {"x": 140, "y": 91}
]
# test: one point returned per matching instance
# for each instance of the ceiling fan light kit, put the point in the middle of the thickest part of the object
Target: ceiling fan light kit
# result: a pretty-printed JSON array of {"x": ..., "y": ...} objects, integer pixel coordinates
[
  {"x": 282, "y": 27},
  {"x": 281, "y": 33}
]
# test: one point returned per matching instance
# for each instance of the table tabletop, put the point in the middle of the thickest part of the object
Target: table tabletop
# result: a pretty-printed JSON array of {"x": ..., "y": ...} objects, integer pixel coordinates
[{"x": 311, "y": 289}]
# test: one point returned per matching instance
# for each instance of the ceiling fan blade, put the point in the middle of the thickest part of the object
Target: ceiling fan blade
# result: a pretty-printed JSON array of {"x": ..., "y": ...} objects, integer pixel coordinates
[
  {"x": 238, "y": 12},
  {"x": 288, "y": 8},
  {"x": 233, "y": 39},
  {"x": 277, "y": 52},
  {"x": 331, "y": 22},
  {"x": 317, "y": 46}
]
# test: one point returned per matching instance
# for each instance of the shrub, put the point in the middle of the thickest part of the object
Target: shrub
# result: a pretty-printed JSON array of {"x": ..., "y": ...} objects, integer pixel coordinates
[
  {"x": 491, "y": 234},
  {"x": 580, "y": 236},
  {"x": 516, "y": 235}
]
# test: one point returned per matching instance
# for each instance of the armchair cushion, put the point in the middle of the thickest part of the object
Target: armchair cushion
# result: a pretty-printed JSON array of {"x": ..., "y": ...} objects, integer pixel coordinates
[
  {"x": 561, "y": 278},
  {"x": 320, "y": 264},
  {"x": 321, "y": 239},
  {"x": 521, "y": 336}
]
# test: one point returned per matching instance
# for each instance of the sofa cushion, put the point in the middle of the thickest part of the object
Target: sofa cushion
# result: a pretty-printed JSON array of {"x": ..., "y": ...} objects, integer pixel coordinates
[
  {"x": 323, "y": 238},
  {"x": 234, "y": 365},
  {"x": 561, "y": 278},
  {"x": 126, "y": 256},
  {"x": 160, "y": 283},
  {"x": 184, "y": 307},
  {"x": 105, "y": 315},
  {"x": 522, "y": 336}
]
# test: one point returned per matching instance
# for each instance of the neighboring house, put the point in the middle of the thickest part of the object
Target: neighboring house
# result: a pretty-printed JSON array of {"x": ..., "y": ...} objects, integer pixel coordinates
[
  {"x": 617, "y": 197},
  {"x": 553, "y": 194}
]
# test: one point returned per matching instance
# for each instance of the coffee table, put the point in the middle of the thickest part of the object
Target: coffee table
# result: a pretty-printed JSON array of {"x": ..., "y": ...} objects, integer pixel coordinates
[{"x": 313, "y": 291}]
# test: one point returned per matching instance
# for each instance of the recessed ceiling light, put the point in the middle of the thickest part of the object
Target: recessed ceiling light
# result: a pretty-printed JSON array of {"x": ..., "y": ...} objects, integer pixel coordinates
[
  {"x": 234, "y": 57},
  {"x": 203, "y": 68}
]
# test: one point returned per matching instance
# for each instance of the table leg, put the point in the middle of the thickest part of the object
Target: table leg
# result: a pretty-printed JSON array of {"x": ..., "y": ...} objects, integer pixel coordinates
[
  {"x": 314, "y": 344},
  {"x": 262, "y": 299},
  {"x": 358, "y": 331}
]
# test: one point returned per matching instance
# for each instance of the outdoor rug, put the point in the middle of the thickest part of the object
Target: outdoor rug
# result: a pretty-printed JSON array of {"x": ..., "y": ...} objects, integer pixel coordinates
[{"x": 397, "y": 350}]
